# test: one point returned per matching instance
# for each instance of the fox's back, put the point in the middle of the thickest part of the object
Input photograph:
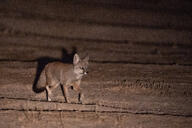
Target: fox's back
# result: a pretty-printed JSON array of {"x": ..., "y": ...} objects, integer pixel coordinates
[
  {"x": 58, "y": 66},
  {"x": 58, "y": 70}
]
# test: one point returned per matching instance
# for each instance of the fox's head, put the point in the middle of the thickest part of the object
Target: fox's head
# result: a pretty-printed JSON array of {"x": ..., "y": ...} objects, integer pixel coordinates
[{"x": 80, "y": 66}]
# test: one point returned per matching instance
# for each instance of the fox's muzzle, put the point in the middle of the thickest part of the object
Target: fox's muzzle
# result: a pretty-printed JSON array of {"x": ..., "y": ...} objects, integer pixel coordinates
[{"x": 86, "y": 72}]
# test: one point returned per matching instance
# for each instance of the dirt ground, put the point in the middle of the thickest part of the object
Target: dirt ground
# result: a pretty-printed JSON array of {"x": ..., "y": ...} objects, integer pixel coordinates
[{"x": 140, "y": 71}]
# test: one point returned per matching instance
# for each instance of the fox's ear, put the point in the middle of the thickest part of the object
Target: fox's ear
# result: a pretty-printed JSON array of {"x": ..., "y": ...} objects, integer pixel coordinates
[
  {"x": 76, "y": 59},
  {"x": 86, "y": 59}
]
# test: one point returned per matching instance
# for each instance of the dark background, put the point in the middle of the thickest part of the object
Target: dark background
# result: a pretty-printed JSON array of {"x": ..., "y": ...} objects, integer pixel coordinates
[{"x": 140, "y": 72}]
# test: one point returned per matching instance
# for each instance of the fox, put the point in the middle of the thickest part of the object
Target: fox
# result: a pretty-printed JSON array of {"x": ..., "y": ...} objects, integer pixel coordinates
[{"x": 65, "y": 75}]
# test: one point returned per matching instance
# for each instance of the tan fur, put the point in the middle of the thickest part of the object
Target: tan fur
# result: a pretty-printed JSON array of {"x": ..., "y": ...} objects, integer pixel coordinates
[{"x": 57, "y": 73}]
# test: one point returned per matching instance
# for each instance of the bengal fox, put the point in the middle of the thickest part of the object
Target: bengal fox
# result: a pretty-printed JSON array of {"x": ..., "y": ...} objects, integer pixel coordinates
[{"x": 66, "y": 75}]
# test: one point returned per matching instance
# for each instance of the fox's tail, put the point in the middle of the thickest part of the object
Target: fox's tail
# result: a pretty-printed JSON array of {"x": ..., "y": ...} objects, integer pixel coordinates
[{"x": 40, "y": 82}]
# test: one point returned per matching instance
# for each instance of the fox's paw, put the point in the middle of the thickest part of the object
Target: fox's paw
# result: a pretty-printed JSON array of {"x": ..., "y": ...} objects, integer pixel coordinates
[
  {"x": 81, "y": 98},
  {"x": 67, "y": 100},
  {"x": 48, "y": 99}
]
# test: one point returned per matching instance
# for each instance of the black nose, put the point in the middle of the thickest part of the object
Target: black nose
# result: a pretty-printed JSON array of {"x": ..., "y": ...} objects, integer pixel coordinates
[{"x": 85, "y": 72}]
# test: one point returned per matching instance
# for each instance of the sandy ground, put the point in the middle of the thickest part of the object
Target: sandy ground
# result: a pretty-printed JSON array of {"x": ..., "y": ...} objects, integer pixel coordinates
[{"x": 140, "y": 73}]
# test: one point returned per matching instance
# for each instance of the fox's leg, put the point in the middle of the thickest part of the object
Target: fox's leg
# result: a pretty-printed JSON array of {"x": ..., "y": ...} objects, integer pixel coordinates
[
  {"x": 49, "y": 90},
  {"x": 65, "y": 92},
  {"x": 76, "y": 87},
  {"x": 48, "y": 87}
]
